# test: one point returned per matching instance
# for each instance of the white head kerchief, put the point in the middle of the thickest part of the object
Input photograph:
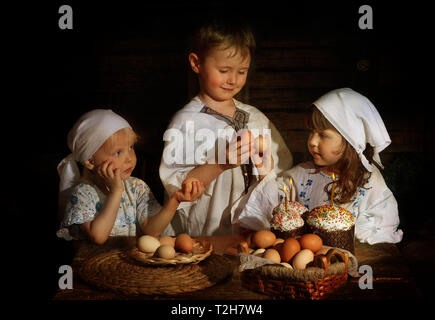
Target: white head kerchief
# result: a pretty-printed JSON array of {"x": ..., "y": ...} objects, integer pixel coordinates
[
  {"x": 84, "y": 139},
  {"x": 357, "y": 120}
]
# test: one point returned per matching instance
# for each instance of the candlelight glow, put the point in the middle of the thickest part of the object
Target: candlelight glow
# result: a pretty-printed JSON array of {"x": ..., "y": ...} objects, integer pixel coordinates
[
  {"x": 332, "y": 191},
  {"x": 285, "y": 198}
]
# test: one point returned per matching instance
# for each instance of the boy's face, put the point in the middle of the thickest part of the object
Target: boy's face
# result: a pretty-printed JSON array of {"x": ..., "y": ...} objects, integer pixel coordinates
[
  {"x": 222, "y": 73},
  {"x": 119, "y": 150}
]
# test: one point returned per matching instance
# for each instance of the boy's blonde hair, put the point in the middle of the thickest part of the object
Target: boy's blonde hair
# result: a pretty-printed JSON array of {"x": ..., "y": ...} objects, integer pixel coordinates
[{"x": 229, "y": 33}]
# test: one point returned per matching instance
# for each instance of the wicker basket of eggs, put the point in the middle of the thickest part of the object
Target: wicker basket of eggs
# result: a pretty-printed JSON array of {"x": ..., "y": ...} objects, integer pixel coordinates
[{"x": 296, "y": 268}]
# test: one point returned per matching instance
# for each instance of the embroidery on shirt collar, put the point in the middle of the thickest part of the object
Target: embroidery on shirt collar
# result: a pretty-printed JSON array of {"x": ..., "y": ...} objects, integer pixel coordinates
[{"x": 239, "y": 121}]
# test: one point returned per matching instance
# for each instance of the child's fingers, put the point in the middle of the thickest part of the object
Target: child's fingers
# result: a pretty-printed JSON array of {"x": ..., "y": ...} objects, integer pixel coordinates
[
  {"x": 258, "y": 160},
  {"x": 102, "y": 169},
  {"x": 109, "y": 171},
  {"x": 201, "y": 188},
  {"x": 187, "y": 186},
  {"x": 195, "y": 187},
  {"x": 267, "y": 144}
]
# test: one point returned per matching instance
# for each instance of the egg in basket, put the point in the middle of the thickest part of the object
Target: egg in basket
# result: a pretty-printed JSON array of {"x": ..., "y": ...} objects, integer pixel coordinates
[{"x": 170, "y": 250}]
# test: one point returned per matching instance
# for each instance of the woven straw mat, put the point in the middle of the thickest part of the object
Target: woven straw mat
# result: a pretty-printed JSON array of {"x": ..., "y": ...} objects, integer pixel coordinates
[{"x": 118, "y": 272}]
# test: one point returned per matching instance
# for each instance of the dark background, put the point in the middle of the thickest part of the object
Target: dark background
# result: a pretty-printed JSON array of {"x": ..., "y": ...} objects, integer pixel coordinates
[{"x": 132, "y": 58}]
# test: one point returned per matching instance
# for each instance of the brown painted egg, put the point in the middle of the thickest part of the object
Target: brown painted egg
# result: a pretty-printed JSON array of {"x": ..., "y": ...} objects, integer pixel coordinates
[
  {"x": 288, "y": 249},
  {"x": 167, "y": 240},
  {"x": 263, "y": 239},
  {"x": 183, "y": 243},
  {"x": 311, "y": 241}
]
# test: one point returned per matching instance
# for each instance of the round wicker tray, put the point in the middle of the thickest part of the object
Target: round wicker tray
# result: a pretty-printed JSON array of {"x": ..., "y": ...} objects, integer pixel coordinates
[
  {"x": 200, "y": 251},
  {"x": 117, "y": 271}
]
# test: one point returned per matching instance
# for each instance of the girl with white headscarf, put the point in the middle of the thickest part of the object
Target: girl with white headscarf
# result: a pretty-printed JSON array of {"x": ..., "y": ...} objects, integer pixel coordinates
[
  {"x": 104, "y": 199},
  {"x": 347, "y": 135}
]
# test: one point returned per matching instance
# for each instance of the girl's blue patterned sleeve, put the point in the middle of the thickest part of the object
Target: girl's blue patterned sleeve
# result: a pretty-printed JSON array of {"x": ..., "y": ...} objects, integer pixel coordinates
[
  {"x": 146, "y": 204},
  {"x": 83, "y": 205}
]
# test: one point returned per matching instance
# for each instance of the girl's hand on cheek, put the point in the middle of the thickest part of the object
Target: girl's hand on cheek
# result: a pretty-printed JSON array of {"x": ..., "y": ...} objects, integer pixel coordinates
[{"x": 110, "y": 176}]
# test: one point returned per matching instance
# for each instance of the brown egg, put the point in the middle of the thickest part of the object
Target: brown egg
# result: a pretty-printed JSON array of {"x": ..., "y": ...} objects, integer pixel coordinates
[
  {"x": 289, "y": 248},
  {"x": 311, "y": 241},
  {"x": 167, "y": 240},
  {"x": 263, "y": 239},
  {"x": 273, "y": 255},
  {"x": 183, "y": 243}
]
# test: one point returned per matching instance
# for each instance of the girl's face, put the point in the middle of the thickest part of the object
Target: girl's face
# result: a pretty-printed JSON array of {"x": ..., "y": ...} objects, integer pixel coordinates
[
  {"x": 326, "y": 147},
  {"x": 119, "y": 150},
  {"x": 222, "y": 73}
]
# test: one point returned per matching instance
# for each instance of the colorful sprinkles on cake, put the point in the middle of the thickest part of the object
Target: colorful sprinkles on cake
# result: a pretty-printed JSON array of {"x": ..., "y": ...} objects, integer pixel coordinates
[
  {"x": 290, "y": 219},
  {"x": 331, "y": 218}
]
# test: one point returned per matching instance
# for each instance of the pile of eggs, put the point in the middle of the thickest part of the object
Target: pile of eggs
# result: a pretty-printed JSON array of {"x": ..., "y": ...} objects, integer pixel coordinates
[
  {"x": 292, "y": 253},
  {"x": 165, "y": 247}
]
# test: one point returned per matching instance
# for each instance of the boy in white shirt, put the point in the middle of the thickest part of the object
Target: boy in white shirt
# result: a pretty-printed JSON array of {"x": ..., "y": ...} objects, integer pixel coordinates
[{"x": 221, "y": 57}]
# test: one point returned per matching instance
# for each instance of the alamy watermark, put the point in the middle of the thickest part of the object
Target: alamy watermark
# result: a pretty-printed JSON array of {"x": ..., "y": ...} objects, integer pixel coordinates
[
  {"x": 366, "y": 280},
  {"x": 66, "y": 19},
  {"x": 66, "y": 280},
  {"x": 366, "y": 20},
  {"x": 224, "y": 146}
]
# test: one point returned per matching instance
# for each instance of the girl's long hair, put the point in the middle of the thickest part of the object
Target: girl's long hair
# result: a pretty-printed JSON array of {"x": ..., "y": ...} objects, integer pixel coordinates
[{"x": 352, "y": 174}]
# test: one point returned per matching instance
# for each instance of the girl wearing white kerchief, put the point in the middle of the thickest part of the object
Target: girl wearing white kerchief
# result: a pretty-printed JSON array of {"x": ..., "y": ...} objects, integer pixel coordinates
[
  {"x": 347, "y": 135},
  {"x": 104, "y": 200}
]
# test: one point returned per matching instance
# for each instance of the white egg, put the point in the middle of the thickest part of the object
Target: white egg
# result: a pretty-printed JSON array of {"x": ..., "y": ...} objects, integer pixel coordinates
[
  {"x": 165, "y": 251},
  {"x": 285, "y": 264},
  {"x": 259, "y": 252},
  {"x": 148, "y": 244},
  {"x": 302, "y": 258}
]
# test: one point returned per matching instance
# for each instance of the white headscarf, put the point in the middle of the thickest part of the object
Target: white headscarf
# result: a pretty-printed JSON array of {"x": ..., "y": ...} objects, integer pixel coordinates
[
  {"x": 84, "y": 139},
  {"x": 357, "y": 120}
]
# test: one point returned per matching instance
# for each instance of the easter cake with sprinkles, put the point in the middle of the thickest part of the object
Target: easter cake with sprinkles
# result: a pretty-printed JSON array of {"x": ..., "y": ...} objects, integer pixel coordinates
[
  {"x": 287, "y": 221},
  {"x": 335, "y": 225}
]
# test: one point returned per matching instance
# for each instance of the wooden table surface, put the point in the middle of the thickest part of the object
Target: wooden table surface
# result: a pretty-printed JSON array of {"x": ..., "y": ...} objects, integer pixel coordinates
[{"x": 391, "y": 276}]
